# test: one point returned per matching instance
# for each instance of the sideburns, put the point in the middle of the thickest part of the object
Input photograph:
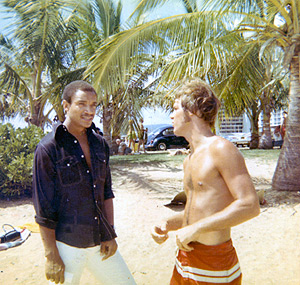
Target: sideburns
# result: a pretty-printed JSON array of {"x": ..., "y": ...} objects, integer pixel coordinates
[{"x": 186, "y": 116}]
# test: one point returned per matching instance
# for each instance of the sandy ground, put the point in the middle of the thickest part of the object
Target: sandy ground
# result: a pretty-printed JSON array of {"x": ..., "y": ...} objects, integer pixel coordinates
[{"x": 268, "y": 246}]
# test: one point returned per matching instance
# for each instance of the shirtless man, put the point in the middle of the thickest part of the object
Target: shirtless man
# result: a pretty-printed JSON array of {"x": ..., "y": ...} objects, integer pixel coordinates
[{"x": 219, "y": 190}]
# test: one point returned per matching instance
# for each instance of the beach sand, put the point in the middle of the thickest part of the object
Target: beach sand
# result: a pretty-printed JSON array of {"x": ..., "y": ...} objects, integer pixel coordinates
[{"x": 268, "y": 246}]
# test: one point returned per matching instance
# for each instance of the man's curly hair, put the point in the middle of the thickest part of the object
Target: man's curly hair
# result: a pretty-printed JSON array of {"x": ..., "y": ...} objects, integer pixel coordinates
[
  {"x": 198, "y": 98},
  {"x": 72, "y": 88}
]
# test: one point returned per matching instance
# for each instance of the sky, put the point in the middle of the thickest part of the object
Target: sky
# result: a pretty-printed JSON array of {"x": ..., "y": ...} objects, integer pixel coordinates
[
  {"x": 154, "y": 117},
  {"x": 151, "y": 116}
]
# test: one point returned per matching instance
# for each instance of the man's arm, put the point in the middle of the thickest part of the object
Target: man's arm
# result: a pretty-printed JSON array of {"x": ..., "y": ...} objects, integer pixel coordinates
[
  {"x": 245, "y": 205},
  {"x": 109, "y": 210},
  {"x": 54, "y": 267},
  {"x": 160, "y": 232},
  {"x": 109, "y": 248},
  {"x": 44, "y": 174}
]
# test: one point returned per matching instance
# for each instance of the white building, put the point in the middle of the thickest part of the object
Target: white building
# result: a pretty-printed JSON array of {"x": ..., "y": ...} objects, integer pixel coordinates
[{"x": 242, "y": 123}]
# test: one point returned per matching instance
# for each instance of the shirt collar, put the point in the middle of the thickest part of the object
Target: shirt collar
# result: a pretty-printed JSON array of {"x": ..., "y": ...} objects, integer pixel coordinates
[{"x": 60, "y": 130}]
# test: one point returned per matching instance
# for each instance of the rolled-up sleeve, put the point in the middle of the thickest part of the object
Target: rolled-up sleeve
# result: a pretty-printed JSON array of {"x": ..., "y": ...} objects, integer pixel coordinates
[{"x": 44, "y": 180}]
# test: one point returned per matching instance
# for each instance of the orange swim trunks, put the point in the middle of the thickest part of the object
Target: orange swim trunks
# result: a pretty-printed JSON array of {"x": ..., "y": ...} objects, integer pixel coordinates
[{"x": 216, "y": 264}]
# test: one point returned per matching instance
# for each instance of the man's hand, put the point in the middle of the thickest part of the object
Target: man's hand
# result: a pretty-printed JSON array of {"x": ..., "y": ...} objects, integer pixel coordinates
[
  {"x": 184, "y": 236},
  {"x": 160, "y": 233},
  {"x": 55, "y": 269},
  {"x": 108, "y": 248}
]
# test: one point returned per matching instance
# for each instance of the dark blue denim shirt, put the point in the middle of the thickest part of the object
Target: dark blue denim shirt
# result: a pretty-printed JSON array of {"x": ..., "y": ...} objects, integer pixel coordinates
[{"x": 68, "y": 196}]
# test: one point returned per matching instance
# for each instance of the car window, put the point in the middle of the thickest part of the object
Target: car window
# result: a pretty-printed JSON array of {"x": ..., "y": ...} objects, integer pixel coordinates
[
  {"x": 168, "y": 132},
  {"x": 154, "y": 133}
]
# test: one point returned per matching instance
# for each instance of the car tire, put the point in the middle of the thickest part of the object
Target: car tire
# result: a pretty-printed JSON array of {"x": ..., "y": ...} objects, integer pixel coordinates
[{"x": 161, "y": 146}]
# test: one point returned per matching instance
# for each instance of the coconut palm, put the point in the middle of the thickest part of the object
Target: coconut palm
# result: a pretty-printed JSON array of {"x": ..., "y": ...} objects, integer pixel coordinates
[
  {"x": 40, "y": 53},
  {"x": 276, "y": 23},
  {"x": 98, "y": 21},
  {"x": 244, "y": 74},
  {"x": 261, "y": 77}
]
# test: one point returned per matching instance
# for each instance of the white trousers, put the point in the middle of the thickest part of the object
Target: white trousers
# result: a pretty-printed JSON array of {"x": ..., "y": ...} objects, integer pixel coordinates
[{"x": 112, "y": 271}]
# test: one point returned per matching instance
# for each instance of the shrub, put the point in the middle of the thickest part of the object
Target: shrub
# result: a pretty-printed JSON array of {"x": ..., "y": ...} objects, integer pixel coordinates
[{"x": 16, "y": 158}]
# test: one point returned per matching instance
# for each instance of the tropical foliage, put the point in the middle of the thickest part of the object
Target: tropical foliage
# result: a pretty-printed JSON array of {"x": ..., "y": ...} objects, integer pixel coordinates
[
  {"x": 16, "y": 157},
  {"x": 36, "y": 61}
]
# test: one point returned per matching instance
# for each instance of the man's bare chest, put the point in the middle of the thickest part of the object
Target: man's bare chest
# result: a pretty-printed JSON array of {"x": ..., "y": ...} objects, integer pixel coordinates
[
  {"x": 86, "y": 151},
  {"x": 199, "y": 172}
]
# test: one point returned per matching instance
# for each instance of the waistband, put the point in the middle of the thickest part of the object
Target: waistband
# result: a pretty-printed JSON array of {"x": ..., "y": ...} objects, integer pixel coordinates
[{"x": 219, "y": 249}]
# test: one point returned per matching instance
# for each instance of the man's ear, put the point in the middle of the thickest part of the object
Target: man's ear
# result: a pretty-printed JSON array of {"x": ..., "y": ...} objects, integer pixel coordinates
[
  {"x": 66, "y": 106},
  {"x": 187, "y": 115}
]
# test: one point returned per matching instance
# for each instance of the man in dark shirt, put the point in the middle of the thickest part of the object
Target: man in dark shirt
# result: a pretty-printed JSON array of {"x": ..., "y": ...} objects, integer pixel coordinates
[{"x": 73, "y": 198}]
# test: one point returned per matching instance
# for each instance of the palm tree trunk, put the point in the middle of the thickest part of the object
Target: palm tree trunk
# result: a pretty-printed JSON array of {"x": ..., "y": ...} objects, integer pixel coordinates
[
  {"x": 287, "y": 172},
  {"x": 107, "y": 117},
  {"x": 266, "y": 138},
  {"x": 36, "y": 116},
  {"x": 253, "y": 115}
]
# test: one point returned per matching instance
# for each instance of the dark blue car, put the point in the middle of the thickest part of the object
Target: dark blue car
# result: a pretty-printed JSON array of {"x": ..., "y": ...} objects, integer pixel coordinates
[{"x": 163, "y": 138}]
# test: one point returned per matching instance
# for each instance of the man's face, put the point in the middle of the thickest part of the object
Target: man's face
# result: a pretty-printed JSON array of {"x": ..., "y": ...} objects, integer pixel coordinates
[
  {"x": 81, "y": 111},
  {"x": 179, "y": 118}
]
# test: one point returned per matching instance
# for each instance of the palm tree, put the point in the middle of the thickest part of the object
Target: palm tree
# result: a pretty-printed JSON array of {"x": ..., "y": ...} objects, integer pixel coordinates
[
  {"x": 98, "y": 21},
  {"x": 276, "y": 23},
  {"x": 35, "y": 63},
  {"x": 246, "y": 73}
]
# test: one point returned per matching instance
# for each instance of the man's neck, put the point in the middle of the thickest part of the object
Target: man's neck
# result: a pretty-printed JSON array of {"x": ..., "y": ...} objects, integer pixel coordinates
[
  {"x": 198, "y": 133},
  {"x": 75, "y": 131}
]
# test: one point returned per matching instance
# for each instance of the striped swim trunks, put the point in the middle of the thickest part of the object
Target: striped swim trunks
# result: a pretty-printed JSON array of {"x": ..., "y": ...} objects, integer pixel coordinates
[{"x": 216, "y": 264}]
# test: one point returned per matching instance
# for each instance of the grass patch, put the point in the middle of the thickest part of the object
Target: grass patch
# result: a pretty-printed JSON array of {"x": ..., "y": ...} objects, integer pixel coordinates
[
  {"x": 263, "y": 154},
  {"x": 158, "y": 158},
  {"x": 147, "y": 159}
]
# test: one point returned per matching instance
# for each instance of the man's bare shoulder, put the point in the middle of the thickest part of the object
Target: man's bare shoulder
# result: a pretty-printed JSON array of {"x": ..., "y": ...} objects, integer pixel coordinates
[
  {"x": 223, "y": 150},
  {"x": 227, "y": 158}
]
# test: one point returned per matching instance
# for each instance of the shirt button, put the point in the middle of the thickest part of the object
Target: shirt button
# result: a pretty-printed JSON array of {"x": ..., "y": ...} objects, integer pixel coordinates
[
  {"x": 68, "y": 164},
  {"x": 87, "y": 171},
  {"x": 82, "y": 156},
  {"x": 94, "y": 185},
  {"x": 95, "y": 218},
  {"x": 75, "y": 141}
]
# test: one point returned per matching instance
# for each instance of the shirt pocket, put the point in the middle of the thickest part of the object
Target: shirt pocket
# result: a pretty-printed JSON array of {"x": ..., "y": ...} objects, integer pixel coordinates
[
  {"x": 100, "y": 167},
  {"x": 101, "y": 164},
  {"x": 68, "y": 170}
]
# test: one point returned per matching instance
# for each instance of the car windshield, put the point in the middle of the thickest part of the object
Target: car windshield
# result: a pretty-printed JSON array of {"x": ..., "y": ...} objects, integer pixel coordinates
[{"x": 155, "y": 132}]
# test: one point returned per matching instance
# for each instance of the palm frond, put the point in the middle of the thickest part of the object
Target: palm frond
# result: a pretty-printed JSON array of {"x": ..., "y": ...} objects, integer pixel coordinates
[
  {"x": 146, "y": 5},
  {"x": 110, "y": 65}
]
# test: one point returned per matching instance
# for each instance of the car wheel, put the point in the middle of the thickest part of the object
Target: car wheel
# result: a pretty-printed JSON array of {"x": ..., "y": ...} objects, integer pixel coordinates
[{"x": 162, "y": 146}]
